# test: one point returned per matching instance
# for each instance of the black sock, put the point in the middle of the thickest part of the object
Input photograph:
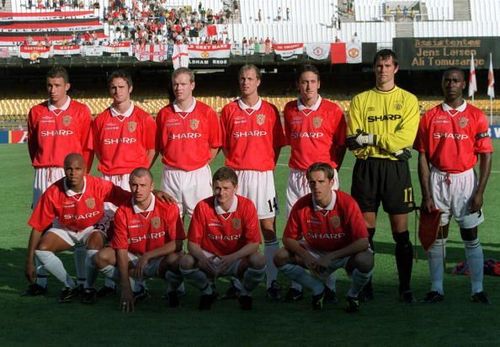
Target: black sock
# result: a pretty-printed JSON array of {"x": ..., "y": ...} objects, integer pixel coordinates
[{"x": 404, "y": 259}]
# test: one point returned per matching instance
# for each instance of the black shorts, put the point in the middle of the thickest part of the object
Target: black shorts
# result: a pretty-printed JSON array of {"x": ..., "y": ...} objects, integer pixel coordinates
[{"x": 382, "y": 180}]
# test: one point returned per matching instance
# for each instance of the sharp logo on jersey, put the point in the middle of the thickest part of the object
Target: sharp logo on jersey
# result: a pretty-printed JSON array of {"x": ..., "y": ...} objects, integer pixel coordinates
[
  {"x": 252, "y": 133},
  {"x": 236, "y": 222},
  {"x": 462, "y": 122},
  {"x": 298, "y": 134},
  {"x": 119, "y": 140},
  {"x": 194, "y": 123},
  {"x": 398, "y": 106},
  {"x": 81, "y": 216},
  {"x": 156, "y": 222},
  {"x": 328, "y": 236},
  {"x": 224, "y": 237},
  {"x": 184, "y": 136},
  {"x": 317, "y": 122},
  {"x": 90, "y": 202},
  {"x": 384, "y": 118},
  {"x": 261, "y": 119},
  {"x": 450, "y": 136},
  {"x": 151, "y": 236},
  {"x": 131, "y": 126},
  {"x": 67, "y": 120},
  {"x": 57, "y": 132},
  {"x": 335, "y": 221}
]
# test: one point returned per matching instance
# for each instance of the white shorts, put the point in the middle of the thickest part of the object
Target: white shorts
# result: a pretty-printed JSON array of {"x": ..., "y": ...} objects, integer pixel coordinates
[
  {"x": 44, "y": 177},
  {"x": 298, "y": 187},
  {"x": 231, "y": 270},
  {"x": 151, "y": 269},
  {"x": 451, "y": 194},
  {"x": 187, "y": 187},
  {"x": 121, "y": 181},
  {"x": 73, "y": 238},
  {"x": 258, "y": 186}
]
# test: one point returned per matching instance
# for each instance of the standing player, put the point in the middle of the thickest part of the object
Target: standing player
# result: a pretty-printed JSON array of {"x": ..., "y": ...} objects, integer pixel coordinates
[
  {"x": 68, "y": 210},
  {"x": 382, "y": 126},
  {"x": 57, "y": 127},
  {"x": 315, "y": 129},
  {"x": 450, "y": 139},
  {"x": 325, "y": 232},
  {"x": 147, "y": 242},
  {"x": 252, "y": 137},
  {"x": 223, "y": 240},
  {"x": 188, "y": 138}
]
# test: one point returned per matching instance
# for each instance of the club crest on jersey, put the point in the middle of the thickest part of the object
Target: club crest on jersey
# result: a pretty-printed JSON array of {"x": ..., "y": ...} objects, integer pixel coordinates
[
  {"x": 236, "y": 223},
  {"x": 90, "y": 202},
  {"x": 132, "y": 126},
  {"x": 261, "y": 118},
  {"x": 462, "y": 122},
  {"x": 67, "y": 120},
  {"x": 335, "y": 221},
  {"x": 194, "y": 123},
  {"x": 317, "y": 122},
  {"x": 155, "y": 222},
  {"x": 398, "y": 106}
]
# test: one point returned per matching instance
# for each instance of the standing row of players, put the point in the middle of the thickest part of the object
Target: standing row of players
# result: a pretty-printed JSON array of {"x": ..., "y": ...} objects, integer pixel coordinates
[{"x": 380, "y": 130}]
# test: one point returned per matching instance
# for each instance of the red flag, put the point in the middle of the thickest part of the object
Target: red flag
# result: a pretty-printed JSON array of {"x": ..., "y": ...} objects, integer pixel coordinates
[
  {"x": 491, "y": 79},
  {"x": 211, "y": 30},
  {"x": 428, "y": 227},
  {"x": 338, "y": 53}
]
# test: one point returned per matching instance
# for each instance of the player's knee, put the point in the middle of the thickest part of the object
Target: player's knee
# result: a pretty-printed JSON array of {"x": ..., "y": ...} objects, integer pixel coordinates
[
  {"x": 257, "y": 260},
  {"x": 187, "y": 262},
  {"x": 269, "y": 234},
  {"x": 105, "y": 257},
  {"x": 402, "y": 239},
  {"x": 172, "y": 261},
  {"x": 95, "y": 241},
  {"x": 468, "y": 234},
  {"x": 363, "y": 261},
  {"x": 281, "y": 257}
]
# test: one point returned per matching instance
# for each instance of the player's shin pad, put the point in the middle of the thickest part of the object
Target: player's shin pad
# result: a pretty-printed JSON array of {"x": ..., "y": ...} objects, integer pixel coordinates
[
  {"x": 299, "y": 274},
  {"x": 196, "y": 277},
  {"x": 252, "y": 278}
]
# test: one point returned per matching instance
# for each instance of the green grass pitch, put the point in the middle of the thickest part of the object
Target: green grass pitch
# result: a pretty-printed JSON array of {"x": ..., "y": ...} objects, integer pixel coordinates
[{"x": 41, "y": 321}]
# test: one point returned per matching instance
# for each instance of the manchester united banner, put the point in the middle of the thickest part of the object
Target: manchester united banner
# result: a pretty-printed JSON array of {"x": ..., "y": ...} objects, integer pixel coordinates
[
  {"x": 318, "y": 51},
  {"x": 288, "y": 51},
  {"x": 207, "y": 55},
  {"x": 66, "y": 50},
  {"x": 120, "y": 48},
  {"x": 34, "y": 52}
]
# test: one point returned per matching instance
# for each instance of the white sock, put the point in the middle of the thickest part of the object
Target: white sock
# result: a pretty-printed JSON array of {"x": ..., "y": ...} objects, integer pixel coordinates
[
  {"x": 296, "y": 285},
  {"x": 299, "y": 274},
  {"x": 270, "y": 249},
  {"x": 41, "y": 274},
  {"x": 108, "y": 282},
  {"x": 475, "y": 259},
  {"x": 359, "y": 279},
  {"x": 80, "y": 254},
  {"x": 436, "y": 256},
  {"x": 55, "y": 266},
  {"x": 90, "y": 269},
  {"x": 251, "y": 279},
  {"x": 197, "y": 278},
  {"x": 111, "y": 273},
  {"x": 331, "y": 282}
]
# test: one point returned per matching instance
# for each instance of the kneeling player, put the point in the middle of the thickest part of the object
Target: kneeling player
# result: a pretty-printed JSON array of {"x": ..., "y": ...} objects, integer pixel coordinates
[
  {"x": 325, "y": 231},
  {"x": 224, "y": 240},
  {"x": 147, "y": 242},
  {"x": 68, "y": 209}
]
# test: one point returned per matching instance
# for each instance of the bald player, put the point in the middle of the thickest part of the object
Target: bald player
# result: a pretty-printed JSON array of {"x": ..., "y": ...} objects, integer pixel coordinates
[{"x": 68, "y": 211}]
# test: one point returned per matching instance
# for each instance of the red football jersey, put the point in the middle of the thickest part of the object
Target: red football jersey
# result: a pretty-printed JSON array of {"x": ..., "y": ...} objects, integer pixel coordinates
[
  {"x": 250, "y": 136},
  {"x": 76, "y": 211},
  {"x": 54, "y": 133},
  {"x": 121, "y": 142},
  {"x": 314, "y": 134},
  {"x": 452, "y": 138},
  {"x": 141, "y": 232},
  {"x": 185, "y": 138},
  {"x": 223, "y": 234},
  {"x": 326, "y": 230}
]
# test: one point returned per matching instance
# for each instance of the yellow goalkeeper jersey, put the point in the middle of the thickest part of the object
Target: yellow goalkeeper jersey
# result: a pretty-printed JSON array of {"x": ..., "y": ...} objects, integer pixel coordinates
[{"x": 393, "y": 116}]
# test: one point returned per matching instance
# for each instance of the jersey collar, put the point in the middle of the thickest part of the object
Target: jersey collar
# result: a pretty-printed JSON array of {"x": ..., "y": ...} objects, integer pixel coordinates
[
  {"x": 150, "y": 208},
  {"x": 189, "y": 110},
  {"x": 219, "y": 210},
  {"x": 245, "y": 107},
  {"x": 70, "y": 192},
  {"x": 314, "y": 107},
  {"x": 330, "y": 206},
  {"x": 448, "y": 108},
  {"x": 63, "y": 107},
  {"x": 128, "y": 113}
]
